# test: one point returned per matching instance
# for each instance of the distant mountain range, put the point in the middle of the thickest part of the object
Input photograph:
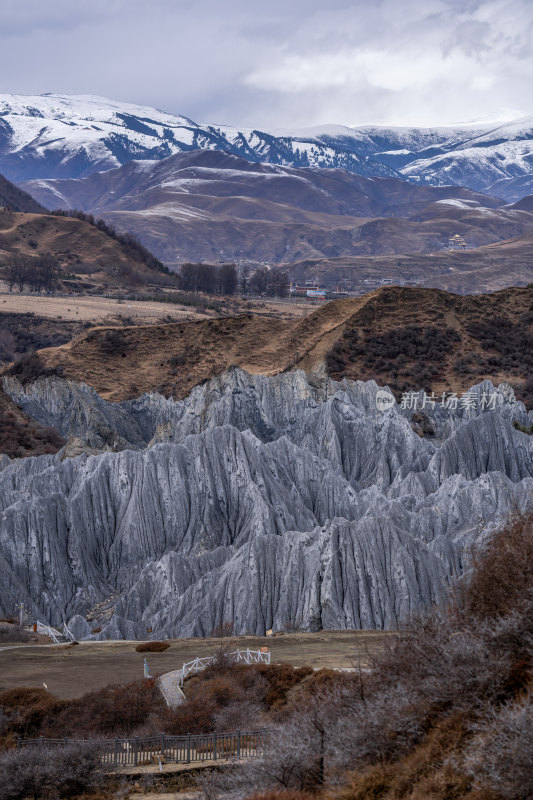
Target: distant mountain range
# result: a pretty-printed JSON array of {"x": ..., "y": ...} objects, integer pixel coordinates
[
  {"x": 202, "y": 205},
  {"x": 62, "y": 136}
]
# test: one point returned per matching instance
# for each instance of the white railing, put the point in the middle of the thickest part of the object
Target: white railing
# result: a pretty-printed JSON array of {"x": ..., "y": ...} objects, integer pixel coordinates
[
  {"x": 47, "y": 630},
  {"x": 57, "y": 636},
  {"x": 236, "y": 657}
]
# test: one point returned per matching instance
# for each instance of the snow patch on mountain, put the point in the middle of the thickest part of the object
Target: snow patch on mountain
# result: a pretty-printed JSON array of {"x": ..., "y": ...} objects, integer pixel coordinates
[{"x": 63, "y": 136}]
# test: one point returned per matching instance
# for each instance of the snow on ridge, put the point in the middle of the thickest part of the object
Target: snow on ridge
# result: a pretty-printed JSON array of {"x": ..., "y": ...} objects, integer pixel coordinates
[{"x": 452, "y": 201}]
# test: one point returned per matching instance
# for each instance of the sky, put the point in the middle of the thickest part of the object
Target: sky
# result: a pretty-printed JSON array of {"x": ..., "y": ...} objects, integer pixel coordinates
[{"x": 279, "y": 63}]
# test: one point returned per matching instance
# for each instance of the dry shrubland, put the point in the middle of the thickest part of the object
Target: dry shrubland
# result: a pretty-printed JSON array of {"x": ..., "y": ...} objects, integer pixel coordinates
[
  {"x": 71, "y": 771},
  {"x": 444, "y": 713}
]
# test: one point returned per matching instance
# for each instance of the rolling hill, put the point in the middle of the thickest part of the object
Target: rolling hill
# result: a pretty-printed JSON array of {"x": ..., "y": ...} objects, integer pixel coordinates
[
  {"x": 201, "y": 204},
  {"x": 173, "y": 358},
  {"x": 91, "y": 258}
]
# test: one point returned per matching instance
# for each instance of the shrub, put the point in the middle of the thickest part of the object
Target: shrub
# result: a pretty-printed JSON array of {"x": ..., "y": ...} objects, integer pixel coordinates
[
  {"x": 50, "y": 772},
  {"x": 501, "y": 756},
  {"x": 113, "y": 342},
  {"x": 503, "y": 573},
  {"x": 152, "y": 647},
  {"x": 523, "y": 428},
  {"x": 29, "y": 367},
  {"x": 13, "y": 633},
  {"x": 111, "y": 711},
  {"x": 28, "y": 708}
]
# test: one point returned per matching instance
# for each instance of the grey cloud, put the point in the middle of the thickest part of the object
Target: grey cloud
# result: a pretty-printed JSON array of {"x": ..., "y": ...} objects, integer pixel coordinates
[{"x": 281, "y": 64}]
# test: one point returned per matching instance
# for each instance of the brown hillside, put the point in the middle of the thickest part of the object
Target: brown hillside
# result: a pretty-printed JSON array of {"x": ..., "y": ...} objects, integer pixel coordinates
[
  {"x": 195, "y": 204},
  {"x": 89, "y": 257},
  {"x": 401, "y": 337},
  {"x": 428, "y": 339},
  {"x": 16, "y": 199},
  {"x": 22, "y": 436}
]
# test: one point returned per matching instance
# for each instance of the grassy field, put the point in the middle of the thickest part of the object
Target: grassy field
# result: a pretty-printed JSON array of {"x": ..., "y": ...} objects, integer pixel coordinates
[
  {"x": 80, "y": 308},
  {"x": 74, "y": 670}
]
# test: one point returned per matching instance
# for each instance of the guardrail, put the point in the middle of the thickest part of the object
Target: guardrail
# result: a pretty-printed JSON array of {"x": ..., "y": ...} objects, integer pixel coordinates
[
  {"x": 56, "y": 635},
  {"x": 159, "y": 749},
  {"x": 237, "y": 657}
]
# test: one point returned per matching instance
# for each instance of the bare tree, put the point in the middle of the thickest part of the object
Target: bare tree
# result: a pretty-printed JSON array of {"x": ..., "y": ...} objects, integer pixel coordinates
[
  {"x": 243, "y": 278},
  {"x": 43, "y": 272},
  {"x": 259, "y": 280},
  {"x": 17, "y": 271},
  {"x": 227, "y": 278}
]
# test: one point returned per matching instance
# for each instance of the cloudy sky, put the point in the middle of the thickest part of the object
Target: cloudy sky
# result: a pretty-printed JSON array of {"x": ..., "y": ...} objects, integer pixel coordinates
[{"x": 279, "y": 63}]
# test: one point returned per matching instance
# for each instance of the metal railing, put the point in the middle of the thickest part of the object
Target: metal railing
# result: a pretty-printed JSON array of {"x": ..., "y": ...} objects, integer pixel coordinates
[
  {"x": 54, "y": 634},
  {"x": 236, "y": 657},
  {"x": 160, "y": 749}
]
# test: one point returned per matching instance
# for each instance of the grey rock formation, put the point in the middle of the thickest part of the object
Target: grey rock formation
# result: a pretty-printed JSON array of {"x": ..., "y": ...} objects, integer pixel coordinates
[{"x": 261, "y": 501}]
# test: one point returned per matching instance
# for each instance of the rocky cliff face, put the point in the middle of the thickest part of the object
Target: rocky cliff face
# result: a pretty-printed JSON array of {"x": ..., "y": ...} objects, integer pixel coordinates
[{"x": 261, "y": 501}]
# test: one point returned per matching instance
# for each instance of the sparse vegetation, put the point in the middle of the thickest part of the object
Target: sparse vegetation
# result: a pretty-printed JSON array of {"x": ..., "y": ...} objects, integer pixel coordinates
[
  {"x": 488, "y": 339},
  {"x": 13, "y": 633},
  {"x": 29, "y": 367},
  {"x": 130, "y": 244},
  {"x": 444, "y": 713},
  {"x": 52, "y": 773},
  {"x": 404, "y": 357},
  {"x": 523, "y": 428},
  {"x": 23, "y": 333},
  {"x": 20, "y": 436},
  {"x": 152, "y": 647}
]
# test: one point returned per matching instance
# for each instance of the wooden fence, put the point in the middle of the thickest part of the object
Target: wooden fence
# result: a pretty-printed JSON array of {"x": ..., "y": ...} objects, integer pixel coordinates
[{"x": 156, "y": 749}]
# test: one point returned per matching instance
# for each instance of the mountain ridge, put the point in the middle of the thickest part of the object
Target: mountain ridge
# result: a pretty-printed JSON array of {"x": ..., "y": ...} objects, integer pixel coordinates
[
  {"x": 52, "y": 136},
  {"x": 194, "y": 205}
]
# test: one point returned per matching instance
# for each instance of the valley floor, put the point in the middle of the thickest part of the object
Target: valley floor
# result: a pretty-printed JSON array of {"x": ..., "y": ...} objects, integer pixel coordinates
[{"x": 71, "y": 671}]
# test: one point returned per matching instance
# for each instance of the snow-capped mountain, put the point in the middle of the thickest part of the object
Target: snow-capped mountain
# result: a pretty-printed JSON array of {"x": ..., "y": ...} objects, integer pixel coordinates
[{"x": 63, "y": 136}]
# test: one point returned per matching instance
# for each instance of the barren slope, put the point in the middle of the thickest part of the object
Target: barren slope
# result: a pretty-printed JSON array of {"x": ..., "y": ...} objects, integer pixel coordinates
[
  {"x": 22, "y": 436},
  {"x": 172, "y": 358},
  {"x": 194, "y": 205}
]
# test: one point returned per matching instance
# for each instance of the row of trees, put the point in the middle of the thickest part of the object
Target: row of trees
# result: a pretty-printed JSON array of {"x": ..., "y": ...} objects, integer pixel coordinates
[
  {"x": 225, "y": 279},
  {"x": 209, "y": 278},
  {"x": 39, "y": 273}
]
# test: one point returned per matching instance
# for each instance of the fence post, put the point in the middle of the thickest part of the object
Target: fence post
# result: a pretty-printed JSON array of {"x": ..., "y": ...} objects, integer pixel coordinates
[
  {"x": 136, "y": 752},
  {"x": 18, "y": 743},
  {"x": 163, "y": 746},
  {"x": 214, "y": 747},
  {"x": 116, "y": 751},
  {"x": 238, "y": 744},
  {"x": 188, "y": 748}
]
